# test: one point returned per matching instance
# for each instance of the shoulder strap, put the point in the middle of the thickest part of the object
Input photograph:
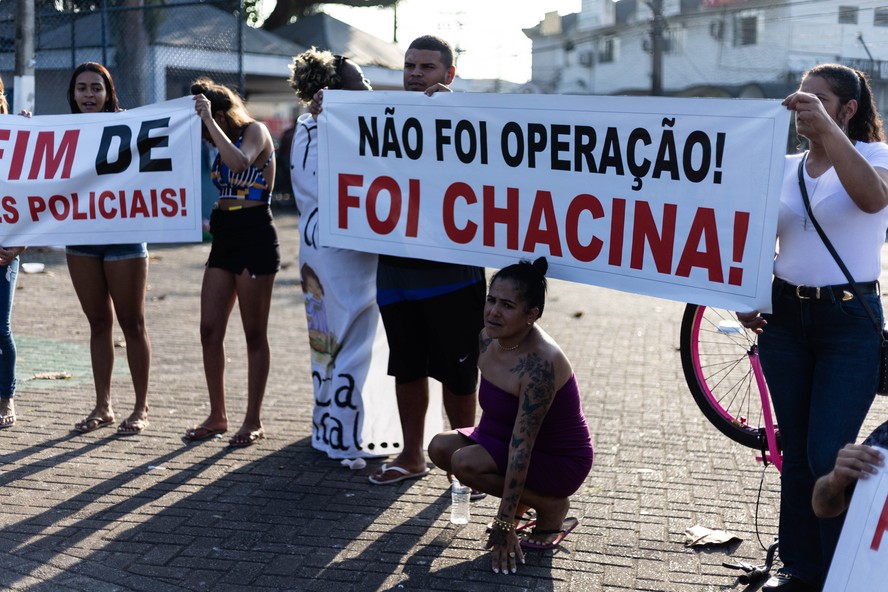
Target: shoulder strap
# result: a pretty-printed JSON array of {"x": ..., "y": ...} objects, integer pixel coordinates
[{"x": 829, "y": 246}]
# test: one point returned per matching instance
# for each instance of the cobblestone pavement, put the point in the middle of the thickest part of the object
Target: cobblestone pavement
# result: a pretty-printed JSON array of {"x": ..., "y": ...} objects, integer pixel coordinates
[{"x": 96, "y": 512}]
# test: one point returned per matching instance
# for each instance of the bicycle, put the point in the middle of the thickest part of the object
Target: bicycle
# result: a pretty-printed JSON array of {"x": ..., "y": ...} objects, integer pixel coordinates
[{"x": 721, "y": 365}]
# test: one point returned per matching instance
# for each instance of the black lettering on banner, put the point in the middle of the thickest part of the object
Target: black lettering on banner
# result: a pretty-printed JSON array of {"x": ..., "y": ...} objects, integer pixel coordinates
[
  {"x": 124, "y": 152},
  {"x": 146, "y": 142}
]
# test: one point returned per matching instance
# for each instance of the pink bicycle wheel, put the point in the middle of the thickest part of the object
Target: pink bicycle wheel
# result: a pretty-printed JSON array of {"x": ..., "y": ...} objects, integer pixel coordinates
[{"x": 715, "y": 359}]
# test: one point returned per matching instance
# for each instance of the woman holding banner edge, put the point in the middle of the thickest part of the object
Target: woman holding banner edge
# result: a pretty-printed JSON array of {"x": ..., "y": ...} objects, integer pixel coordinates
[
  {"x": 9, "y": 267},
  {"x": 244, "y": 257},
  {"x": 110, "y": 280},
  {"x": 819, "y": 349}
]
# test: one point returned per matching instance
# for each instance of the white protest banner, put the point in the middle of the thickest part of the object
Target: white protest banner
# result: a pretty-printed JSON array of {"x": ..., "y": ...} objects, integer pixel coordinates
[
  {"x": 861, "y": 558},
  {"x": 675, "y": 198},
  {"x": 101, "y": 178}
]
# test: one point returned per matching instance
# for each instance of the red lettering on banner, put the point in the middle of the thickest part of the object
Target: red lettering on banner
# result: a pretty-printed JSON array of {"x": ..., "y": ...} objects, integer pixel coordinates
[
  {"x": 139, "y": 207},
  {"x": 881, "y": 527},
  {"x": 18, "y": 155},
  {"x": 78, "y": 215},
  {"x": 107, "y": 212},
  {"x": 45, "y": 156},
  {"x": 389, "y": 223},
  {"x": 703, "y": 228},
  {"x": 507, "y": 215},
  {"x": 618, "y": 225},
  {"x": 105, "y": 205},
  {"x": 36, "y": 206},
  {"x": 171, "y": 207},
  {"x": 346, "y": 200},
  {"x": 467, "y": 233},
  {"x": 59, "y": 207},
  {"x": 412, "y": 208},
  {"x": 591, "y": 250},
  {"x": 44, "y": 150},
  {"x": 11, "y": 216},
  {"x": 645, "y": 232},
  {"x": 543, "y": 213}
]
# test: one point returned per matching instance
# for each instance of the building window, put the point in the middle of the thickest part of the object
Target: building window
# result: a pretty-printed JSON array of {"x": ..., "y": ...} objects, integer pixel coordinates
[
  {"x": 673, "y": 42},
  {"x": 608, "y": 49},
  {"x": 848, "y": 15},
  {"x": 880, "y": 17},
  {"x": 746, "y": 29}
]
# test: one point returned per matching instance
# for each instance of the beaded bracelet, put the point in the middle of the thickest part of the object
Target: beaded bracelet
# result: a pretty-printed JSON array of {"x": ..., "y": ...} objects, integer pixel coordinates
[{"x": 503, "y": 525}]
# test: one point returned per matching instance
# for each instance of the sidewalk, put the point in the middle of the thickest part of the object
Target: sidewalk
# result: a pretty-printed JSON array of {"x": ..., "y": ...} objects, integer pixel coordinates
[{"x": 96, "y": 512}]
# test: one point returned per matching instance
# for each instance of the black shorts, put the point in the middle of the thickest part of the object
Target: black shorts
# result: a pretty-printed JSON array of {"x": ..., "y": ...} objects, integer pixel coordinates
[
  {"x": 244, "y": 239},
  {"x": 437, "y": 337}
]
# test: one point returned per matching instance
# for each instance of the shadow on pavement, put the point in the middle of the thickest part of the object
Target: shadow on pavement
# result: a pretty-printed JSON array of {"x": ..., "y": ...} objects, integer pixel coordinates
[{"x": 193, "y": 520}]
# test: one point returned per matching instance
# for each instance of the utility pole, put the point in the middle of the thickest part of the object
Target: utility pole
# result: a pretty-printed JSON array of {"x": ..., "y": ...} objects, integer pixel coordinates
[
  {"x": 872, "y": 62},
  {"x": 658, "y": 26},
  {"x": 23, "y": 97}
]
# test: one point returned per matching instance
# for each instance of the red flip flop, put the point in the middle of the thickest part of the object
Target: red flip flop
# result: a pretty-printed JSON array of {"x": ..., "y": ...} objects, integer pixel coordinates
[{"x": 566, "y": 527}]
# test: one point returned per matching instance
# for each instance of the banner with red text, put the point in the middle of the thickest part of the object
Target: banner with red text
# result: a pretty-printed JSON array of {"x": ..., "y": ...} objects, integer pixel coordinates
[
  {"x": 101, "y": 178},
  {"x": 675, "y": 198},
  {"x": 861, "y": 558}
]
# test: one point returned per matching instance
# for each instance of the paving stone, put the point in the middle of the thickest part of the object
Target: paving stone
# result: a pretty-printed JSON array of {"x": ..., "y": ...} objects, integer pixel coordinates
[{"x": 96, "y": 513}]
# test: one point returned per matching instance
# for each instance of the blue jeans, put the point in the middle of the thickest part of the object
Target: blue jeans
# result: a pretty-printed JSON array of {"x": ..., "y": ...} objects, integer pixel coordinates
[
  {"x": 8, "y": 276},
  {"x": 821, "y": 362}
]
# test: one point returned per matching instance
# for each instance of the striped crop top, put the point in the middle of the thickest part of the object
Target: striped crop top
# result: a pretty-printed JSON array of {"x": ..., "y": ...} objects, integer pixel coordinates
[{"x": 249, "y": 184}]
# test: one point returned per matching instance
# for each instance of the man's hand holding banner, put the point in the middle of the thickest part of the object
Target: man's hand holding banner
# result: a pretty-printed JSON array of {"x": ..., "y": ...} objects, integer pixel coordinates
[
  {"x": 101, "y": 178},
  {"x": 675, "y": 198}
]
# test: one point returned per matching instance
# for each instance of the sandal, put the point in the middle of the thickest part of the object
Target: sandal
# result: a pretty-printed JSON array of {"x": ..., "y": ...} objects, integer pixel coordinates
[
  {"x": 246, "y": 439},
  {"x": 131, "y": 427},
  {"x": 566, "y": 527},
  {"x": 92, "y": 423},
  {"x": 202, "y": 432}
]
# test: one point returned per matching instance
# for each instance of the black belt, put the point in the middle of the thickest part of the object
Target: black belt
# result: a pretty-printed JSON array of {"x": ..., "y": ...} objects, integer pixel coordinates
[{"x": 838, "y": 292}]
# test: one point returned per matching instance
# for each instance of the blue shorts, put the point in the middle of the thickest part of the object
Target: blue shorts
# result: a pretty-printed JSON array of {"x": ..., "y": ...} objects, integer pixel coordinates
[{"x": 110, "y": 252}]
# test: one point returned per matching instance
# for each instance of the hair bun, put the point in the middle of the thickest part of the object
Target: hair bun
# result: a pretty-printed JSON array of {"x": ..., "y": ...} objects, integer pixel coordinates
[{"x": 541, "y": 265}]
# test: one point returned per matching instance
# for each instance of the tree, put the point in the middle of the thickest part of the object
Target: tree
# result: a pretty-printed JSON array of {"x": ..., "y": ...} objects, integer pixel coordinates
[{"x": 285, "y": 11}]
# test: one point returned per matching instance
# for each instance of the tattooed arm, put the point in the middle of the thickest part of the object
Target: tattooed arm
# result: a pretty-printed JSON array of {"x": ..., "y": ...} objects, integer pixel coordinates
[{"x": 534, "y": 399}]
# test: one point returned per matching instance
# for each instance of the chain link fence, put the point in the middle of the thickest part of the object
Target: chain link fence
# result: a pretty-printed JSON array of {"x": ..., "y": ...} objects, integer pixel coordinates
[{"x": 153, "y": 48}]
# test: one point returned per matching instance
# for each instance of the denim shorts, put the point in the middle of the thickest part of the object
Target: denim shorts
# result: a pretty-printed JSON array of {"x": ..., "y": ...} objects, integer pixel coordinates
[{"x": 110, "y": 252}]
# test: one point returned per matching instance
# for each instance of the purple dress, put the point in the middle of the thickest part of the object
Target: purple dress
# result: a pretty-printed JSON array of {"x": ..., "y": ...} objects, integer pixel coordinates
[{"x": 562, "y": 454}]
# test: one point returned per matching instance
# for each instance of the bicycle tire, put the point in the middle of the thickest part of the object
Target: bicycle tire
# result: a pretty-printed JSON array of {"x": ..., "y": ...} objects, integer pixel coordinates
[{"x": 714, "y": 356}]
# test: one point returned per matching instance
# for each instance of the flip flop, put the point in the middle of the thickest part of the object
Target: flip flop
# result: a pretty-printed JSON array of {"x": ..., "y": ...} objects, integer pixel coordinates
[
  {"x": 7, "y": 421},
  {"x": 403, "y": 474},
  {"x": 92, "y": 423},
  {"x": 202, "y": 432},
  {"x": 566, "y": 527},
  {"x": 246, "y": 439},
  {"x": 131, "y": 428},
  {"x": 477, "y": 495}
]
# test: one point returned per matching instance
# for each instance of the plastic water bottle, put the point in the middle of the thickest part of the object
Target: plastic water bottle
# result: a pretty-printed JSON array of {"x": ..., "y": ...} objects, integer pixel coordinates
[{"x": 459, "y": 502}]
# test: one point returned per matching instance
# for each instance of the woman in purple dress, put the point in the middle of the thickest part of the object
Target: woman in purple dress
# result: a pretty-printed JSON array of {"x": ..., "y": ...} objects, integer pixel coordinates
[{"x": 532, "y": 446}]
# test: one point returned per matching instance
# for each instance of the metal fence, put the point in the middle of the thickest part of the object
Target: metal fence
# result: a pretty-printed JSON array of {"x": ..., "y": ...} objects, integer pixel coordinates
[{"x": 153, "y": 50}]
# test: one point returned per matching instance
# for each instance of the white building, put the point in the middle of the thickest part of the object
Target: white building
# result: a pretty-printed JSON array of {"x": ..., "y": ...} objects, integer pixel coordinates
[{"x": 735, "y": 48}]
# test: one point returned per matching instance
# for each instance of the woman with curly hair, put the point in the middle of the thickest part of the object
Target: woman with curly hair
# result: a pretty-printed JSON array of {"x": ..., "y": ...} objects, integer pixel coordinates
[
  {"x": 244, "y": 257},
  {"x": 354, "y": 413}
]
